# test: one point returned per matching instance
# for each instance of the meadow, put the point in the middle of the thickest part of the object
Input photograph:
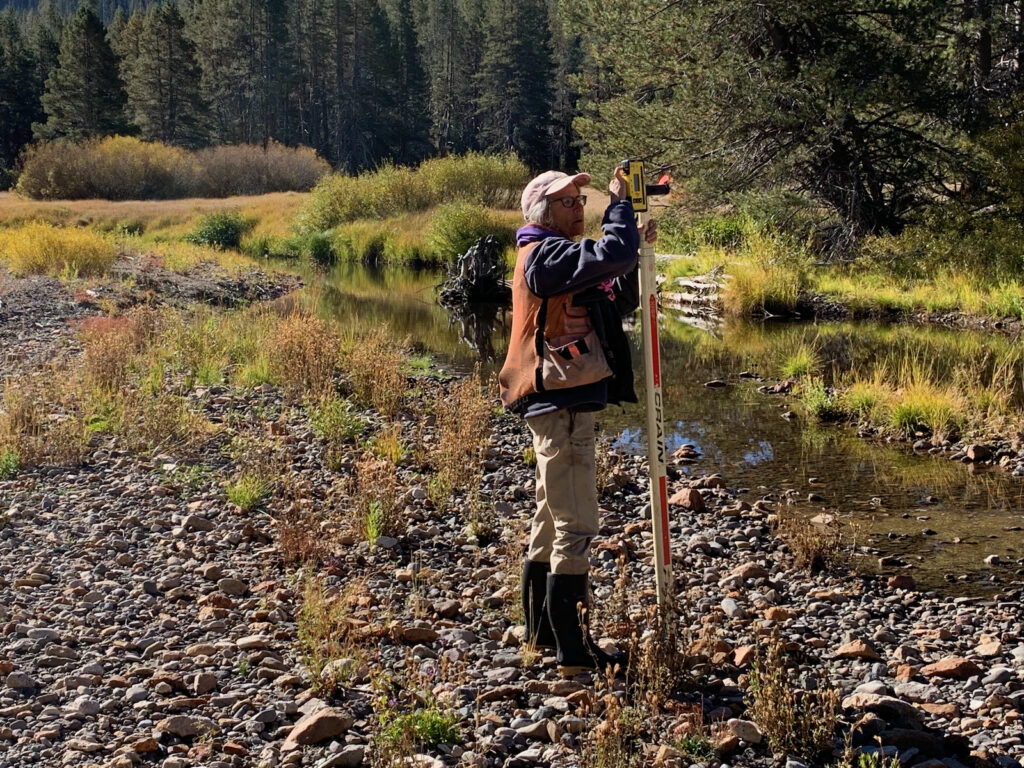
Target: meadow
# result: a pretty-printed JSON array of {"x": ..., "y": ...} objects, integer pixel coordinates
[{"x": 428, "y": 216}]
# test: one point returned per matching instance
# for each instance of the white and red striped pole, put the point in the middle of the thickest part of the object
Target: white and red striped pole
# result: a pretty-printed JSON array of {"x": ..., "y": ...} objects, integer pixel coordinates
[{"x": 638, "y": 190}]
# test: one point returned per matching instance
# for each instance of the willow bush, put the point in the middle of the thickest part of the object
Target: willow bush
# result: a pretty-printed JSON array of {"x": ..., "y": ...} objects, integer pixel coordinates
[
  {"x": 494, "y": 181},
  {"x": 126, "y": 168}
]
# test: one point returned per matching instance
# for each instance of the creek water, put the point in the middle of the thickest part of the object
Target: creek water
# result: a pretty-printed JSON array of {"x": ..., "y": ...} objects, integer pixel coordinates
[{"x": 941, "y": 517}]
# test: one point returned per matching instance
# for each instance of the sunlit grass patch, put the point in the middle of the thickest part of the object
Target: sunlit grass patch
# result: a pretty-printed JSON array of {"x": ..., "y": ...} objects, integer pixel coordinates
[
  {"x": 182, "y": 257},
  {"x": 248, "y": 491},
  {"x": 803, "y": 361},
  {"x": 392, "y": 190},
  {"x": 43, "y": 249},
  {"x": 10, "y": 463},
  {"x": 865, "y": 399},
  {"x": 360, "y": 241},
  {"x": 1004, "y": 300},
  {"x": 759, "y": 287},
  {"x": 821, "y": 402},
  {"x": 435, "y": 236},
  {"x": 923, "y": 407},
  {"x": 456, "y": 227},
  {"x": 275, "y": 210},
  {"x": 426, "y": 728},
  {"x": 335, "y": 419},
  {"x": 764, "y": 274},
  {"x": 865, "y": 289},
  {"x": 690, "y": 266}
]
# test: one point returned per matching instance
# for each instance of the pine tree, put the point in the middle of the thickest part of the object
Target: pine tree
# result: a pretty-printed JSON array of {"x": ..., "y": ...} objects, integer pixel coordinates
[
  {"x": 514, "y": 80},
  {"x": 449, "y": 37},
  {"x": 222, "y": 34},
  {"x": 162, "y": 79},
  {"x": 125, "y": 38},
  {"x": 84, "y": 96},
  {"x": 47, "y": 26},
  {"x": 567, "y": 55},
  {"x": 18, "y": 99},
  {"x": 835, "y": 99},
  {"x": 365, "y": 116},
  {"x": 413, "y": 135},
  {"x": 310, "y": 37}
]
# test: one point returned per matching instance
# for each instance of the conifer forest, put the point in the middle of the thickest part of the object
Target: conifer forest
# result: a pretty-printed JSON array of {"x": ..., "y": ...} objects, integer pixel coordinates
[{"x": 874, "y": 110}]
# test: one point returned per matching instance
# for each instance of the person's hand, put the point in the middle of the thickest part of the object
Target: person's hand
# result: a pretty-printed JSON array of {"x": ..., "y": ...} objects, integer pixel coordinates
[
  {"x": 617, "y": 186},
  {"x": 651, "y": 231}
]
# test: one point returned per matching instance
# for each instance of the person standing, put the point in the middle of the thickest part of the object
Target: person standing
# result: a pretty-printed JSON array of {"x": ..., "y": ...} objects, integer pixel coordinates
[{"x": 568, "y": 357}]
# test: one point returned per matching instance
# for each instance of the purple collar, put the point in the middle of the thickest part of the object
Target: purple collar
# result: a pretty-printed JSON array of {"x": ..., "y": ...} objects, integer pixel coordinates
[{"x": 532, "y": 233}]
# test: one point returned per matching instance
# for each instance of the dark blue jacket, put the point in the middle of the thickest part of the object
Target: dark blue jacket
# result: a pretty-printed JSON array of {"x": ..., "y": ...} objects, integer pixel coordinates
[{"x": 560, "y": 265}]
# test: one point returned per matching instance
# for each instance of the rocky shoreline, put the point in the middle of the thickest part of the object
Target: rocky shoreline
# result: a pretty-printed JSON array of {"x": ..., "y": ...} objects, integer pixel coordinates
[{"x": 145, "y": 620}]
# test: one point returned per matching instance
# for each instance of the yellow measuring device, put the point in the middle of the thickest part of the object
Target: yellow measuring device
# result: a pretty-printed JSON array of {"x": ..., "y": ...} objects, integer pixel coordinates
[{"x": 638, "y": 190}]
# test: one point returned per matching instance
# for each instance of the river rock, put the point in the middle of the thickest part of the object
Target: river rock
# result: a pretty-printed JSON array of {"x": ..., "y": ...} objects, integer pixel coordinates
[
  {"x": 186, "y": 726},
  {"x": 857, "y": 649},
  {"x": 233, "y": 587},
  {"x": 323, "y": 724},
  {"x": 978, "y": 452},
  {"x": 902, "y": 581},
  {"x": 84, "y": 745},
  {"x": 748, "y": 571},
  {"x": 20, "y": 681},
  {"x": 955, "y": 667},
  {"x": 989, "y": 649},
  {"x": 688, "y": 498},
  {"x": 888, "y": 707},
  {"x": 746, "y": 730},
  {"x": 84, "y": 706},
  {"x": 416, "y": 634}
]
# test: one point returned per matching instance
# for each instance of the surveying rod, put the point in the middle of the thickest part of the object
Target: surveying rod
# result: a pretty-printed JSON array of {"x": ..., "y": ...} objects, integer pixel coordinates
[{"x": 638, "y": 190}]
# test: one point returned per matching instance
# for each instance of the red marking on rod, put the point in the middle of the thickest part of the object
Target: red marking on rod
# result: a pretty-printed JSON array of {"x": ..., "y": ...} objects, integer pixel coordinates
[
  {"x": 663, "y": 493},
  {"x": 655, "y": 352}
]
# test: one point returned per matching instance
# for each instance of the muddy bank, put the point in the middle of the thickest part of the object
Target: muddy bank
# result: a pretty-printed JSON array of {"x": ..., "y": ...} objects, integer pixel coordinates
[{"x": 38, "y": 314}]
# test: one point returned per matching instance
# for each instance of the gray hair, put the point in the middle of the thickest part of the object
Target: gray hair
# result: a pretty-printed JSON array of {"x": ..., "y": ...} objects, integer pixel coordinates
[{"x": 539, "y": 213}]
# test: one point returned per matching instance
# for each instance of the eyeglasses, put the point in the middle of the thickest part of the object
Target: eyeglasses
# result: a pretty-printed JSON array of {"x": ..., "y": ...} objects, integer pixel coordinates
[{"x": 570, "y": 202}]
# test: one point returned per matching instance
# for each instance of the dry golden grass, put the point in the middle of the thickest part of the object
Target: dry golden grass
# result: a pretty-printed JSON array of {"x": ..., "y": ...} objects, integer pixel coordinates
[
  {"x": 793, "y": 720},
  {"x": 183, "y": 257},
  {"x": 378, "y": 498},
  {"x": 303, "y": 355},
  {"x": 463, "y": 418},
  {"x": 327, "y": 644},
  {"x": 375, "y": 364},
  {"x": 39, "y": 248},
  {"x": 109, "y": 343},
  {"x": 276, "y": 207}
]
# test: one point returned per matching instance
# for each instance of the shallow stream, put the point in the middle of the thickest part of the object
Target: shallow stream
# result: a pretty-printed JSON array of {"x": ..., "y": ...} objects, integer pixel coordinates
[{"x": 942, "y": 517}]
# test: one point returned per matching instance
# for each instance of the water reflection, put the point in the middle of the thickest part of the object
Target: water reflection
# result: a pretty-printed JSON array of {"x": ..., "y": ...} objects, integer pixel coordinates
[
  {"x": 478, "y": 327},
  {"x": 943, "y": 516}
]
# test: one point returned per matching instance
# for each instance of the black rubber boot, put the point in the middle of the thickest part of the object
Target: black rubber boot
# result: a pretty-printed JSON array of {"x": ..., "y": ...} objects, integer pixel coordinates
[
  {"x": 534, "y": 593},
  {"x": 577, "y": 652}
]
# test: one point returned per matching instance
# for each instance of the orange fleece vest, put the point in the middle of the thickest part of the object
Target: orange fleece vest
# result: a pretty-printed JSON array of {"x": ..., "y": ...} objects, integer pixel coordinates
[{"x": 534, "y": 322}]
